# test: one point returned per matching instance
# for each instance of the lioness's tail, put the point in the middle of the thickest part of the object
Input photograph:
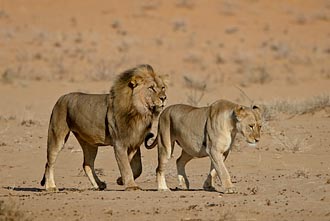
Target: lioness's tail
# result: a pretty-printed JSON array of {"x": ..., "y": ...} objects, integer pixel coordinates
[{"x": 148, "y": 137}]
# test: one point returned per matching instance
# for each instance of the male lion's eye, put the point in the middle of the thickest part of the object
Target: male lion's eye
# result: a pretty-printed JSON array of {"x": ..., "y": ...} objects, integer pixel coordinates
[{"x": 152, "y": 88}]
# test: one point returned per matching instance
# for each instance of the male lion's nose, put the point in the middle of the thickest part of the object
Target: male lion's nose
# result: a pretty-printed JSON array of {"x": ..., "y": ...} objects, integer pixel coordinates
[{"x": 162, "y": 98}]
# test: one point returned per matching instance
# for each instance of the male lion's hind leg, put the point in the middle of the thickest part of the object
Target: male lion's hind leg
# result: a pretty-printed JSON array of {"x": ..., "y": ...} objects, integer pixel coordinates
[
  {"x": 180, "y": 165},
  {"x": 209, "y": 184},
  {"x": 90, "y": 152},
  {"x": 136, "y": 165},
  {"x": 57, "y": 137}
]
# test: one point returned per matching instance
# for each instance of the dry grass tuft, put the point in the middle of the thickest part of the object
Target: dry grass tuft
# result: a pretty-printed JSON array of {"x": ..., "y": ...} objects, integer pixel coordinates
[
  {"x": 291, "y": 107},
  {"x": 10, "y": 212},
  {"x": 286, "y": 143}
]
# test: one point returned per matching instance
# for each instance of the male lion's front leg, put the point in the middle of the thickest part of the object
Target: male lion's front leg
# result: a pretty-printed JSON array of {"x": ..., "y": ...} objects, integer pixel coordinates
[
  {"x": 217, "y": 159},
  {"x": 125, "y": 168},
  {"x": 136, "y": 164}
]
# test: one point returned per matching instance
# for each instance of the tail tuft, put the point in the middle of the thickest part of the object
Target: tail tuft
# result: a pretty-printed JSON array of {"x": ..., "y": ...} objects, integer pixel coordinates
[
  {"x": 43, "y": 181},
  {"x": 147, "y": 138}
]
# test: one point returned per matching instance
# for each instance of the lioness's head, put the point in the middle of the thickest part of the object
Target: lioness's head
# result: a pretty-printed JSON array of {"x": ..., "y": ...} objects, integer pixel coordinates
[
  {"x": 249, "y": 123},
  {"x": 143, "y": 88}
]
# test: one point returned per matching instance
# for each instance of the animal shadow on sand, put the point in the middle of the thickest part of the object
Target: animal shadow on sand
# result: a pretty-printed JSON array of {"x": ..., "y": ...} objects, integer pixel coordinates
[{"x": 73, "y": 189}]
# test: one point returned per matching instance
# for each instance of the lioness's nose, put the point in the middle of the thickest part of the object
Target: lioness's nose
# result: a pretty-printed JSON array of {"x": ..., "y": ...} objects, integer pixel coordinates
[
  {"x": 257, "y": 139},
  {"x": 162, "y": 98}
]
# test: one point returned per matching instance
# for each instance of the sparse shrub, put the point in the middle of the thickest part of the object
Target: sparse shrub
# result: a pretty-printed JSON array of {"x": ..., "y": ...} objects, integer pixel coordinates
[
  {"x": 258, "y": 75},
  {"x": 197, "y": 90},
  {"x": 189, "y": 4},
  {"x": 271, "y": 110},
  {"x": 301, "y": 19},
  {"x": 103, "y": 71},
  {"x": 179, "y": 25},
  {"x": 150, "y": 5}
]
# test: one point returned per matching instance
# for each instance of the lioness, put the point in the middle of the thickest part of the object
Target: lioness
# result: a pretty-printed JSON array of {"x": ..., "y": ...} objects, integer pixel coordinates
[
  {"x": 120, "y": 119},
  {"x": 200, "y": 132}
]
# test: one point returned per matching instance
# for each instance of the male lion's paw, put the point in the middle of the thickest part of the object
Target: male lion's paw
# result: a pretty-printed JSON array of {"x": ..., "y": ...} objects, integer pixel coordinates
[
  {"x": 230, "y": 190},
  {"x": 132, "y": 188},
  {"x": 102, "y": 186},
  {"x": 120, "y": 181},
  {"x": 209, "y": 188}
]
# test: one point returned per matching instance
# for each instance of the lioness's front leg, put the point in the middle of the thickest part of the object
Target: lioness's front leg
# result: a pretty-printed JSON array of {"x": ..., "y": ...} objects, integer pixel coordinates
[
  {"x": 125, "y": 168},
  {"x": 217, "y": 159}
]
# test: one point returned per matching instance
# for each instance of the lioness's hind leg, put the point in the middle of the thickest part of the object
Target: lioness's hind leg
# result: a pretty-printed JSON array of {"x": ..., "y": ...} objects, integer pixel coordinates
[
  {"x": 209, "y": 184},
  {"x": 217, "y": 159},
  {"x": 90, "y": 152},
  {"x": 180, "y": 165},
  {"x": 163, "y": 157}
]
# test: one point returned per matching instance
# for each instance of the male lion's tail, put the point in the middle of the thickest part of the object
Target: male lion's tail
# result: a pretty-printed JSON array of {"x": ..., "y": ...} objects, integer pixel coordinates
[{"x": 148, "y": 137}]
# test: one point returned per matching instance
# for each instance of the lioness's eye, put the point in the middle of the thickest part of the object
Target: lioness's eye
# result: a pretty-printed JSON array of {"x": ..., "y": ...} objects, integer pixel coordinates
[{"x": 251, "y": 126}]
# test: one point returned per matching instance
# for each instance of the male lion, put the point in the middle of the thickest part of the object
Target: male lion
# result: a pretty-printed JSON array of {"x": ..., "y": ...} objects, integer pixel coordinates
[
  {"x": 120, "y": 119},
  {"x": 200, "y": 132}
]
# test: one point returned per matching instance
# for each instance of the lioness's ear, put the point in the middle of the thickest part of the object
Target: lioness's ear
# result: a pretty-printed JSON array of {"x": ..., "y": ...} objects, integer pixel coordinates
[
  {"x": 135, "y": 81},
  {"x": 240, "y": 112},
  {"x": 257, "y": 108}
]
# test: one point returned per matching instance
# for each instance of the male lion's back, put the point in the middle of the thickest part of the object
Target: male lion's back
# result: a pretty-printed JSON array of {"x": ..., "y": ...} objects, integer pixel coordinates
[{"x": 84, "y": 114}]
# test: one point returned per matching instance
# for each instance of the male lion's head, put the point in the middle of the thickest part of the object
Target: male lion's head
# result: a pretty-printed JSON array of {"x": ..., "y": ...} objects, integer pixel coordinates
[
  {"x": 142, "y": 89},
  {"x": 249, "y": 123}
]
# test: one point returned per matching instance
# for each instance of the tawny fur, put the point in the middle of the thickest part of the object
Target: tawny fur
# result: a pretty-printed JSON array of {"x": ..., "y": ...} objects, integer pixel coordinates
[
  {"x": 200, "y": 132},
  {"x": 121, "y": 119}
]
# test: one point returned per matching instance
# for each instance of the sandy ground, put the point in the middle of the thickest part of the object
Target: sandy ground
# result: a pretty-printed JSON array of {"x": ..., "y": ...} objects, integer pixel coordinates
[{"x": 271, "y": 50}]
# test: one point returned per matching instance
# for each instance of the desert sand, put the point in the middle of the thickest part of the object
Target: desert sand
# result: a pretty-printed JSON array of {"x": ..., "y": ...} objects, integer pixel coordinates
[{"x": 272, "y": 53}]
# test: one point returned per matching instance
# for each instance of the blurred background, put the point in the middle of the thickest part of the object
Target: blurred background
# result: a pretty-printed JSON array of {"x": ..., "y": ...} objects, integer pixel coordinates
[{"x": 200, "y": 44}]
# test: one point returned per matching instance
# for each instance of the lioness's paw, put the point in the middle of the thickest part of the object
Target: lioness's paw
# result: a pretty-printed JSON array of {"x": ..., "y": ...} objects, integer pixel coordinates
[
  {"x": 164, "y": 190},
  {"x": 230, "y": 190},
  {"x": 132, "y": 188},
  {"x": 51, "y": 189},
  {"x": 102, "y": 186}
]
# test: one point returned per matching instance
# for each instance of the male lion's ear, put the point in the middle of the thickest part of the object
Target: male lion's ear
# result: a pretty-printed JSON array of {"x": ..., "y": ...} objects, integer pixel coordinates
[
  {"x": 135, "y": 81},
  {"x": 240, "y": 112},
  {"x": 165, "y": 78}
]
